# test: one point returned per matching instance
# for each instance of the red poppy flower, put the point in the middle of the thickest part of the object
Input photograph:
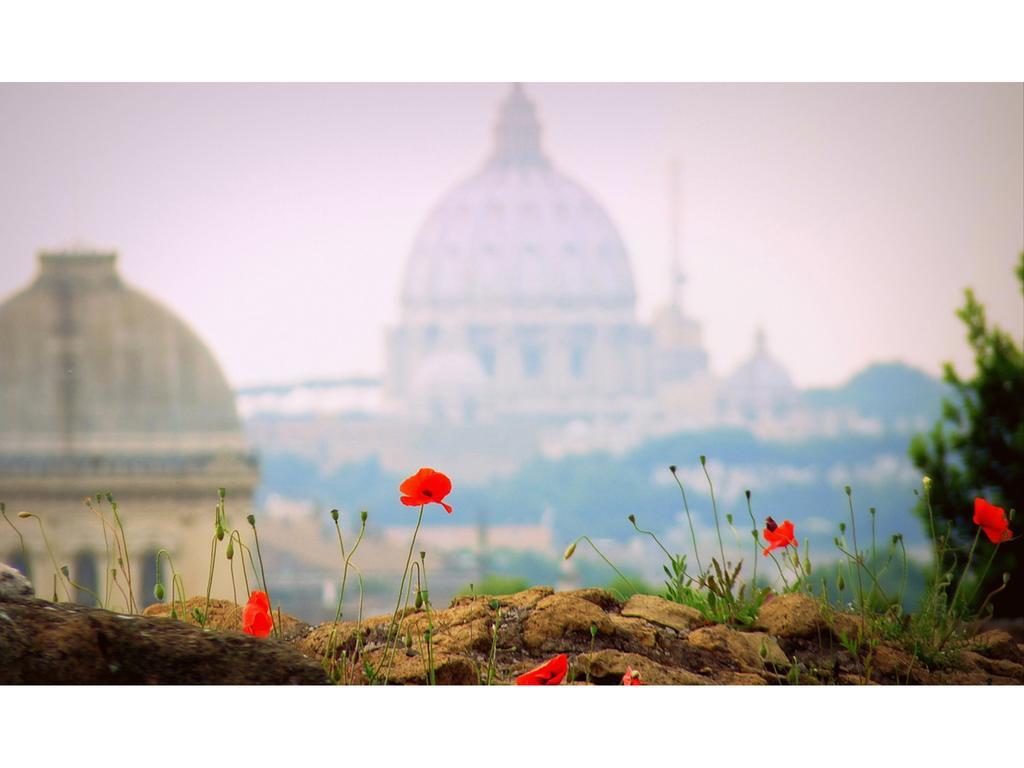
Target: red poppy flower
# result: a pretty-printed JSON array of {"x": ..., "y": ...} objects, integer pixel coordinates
[
  {"x": 424, "y": 487},
  {"x": 632, "y": 677},
  {"x": 256, "y": 617},
  {"x": 549, "y": 673},
  {"x": 992, "y": 520},
  {"x": 778, "y": 535}
]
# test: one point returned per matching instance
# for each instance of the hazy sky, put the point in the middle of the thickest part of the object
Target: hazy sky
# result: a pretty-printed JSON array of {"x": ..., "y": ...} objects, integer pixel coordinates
[{"x": 276, "y": 219}]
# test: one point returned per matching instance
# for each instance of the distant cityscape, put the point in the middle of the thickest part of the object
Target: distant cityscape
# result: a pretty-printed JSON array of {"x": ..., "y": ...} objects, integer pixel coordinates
[{"x": 518, "y": 366}]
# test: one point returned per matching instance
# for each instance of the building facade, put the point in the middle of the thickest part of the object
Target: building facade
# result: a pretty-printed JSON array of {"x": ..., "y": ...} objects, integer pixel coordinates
[{"x": 103, "y": 390}]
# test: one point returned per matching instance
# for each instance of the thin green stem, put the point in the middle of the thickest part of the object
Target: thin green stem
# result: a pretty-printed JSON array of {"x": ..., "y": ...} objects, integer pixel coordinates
[
  {"x": 714, "y": 508},
  {"x": 263, "y": 575},
  {"x": 56, "y": 569},
  {"x": 965, "y": 574},
  {"x": 209, "y": 579},
  {"x": 601, "y": 554},
  {"x": 133, "y": 608},
  {"x": 756, "y": 536},
  {"x": 860, "y": 581},
  {"x": 21, "y": 539},
  {"x": 689, "y": 519},
  {"x": 401, "y": 586}
]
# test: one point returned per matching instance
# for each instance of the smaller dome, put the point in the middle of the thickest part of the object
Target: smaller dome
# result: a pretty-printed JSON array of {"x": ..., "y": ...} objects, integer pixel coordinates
[{"x": 761, "y": 383}]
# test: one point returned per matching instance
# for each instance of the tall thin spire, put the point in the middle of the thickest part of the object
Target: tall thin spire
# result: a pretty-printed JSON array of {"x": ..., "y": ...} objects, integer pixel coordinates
[
  {"x": 677, "y": 279},
  {"x": 517, "y": 132}
]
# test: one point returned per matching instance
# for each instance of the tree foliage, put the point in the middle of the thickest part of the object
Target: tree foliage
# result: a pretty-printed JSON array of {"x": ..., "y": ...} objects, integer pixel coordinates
[{"x": 977, "y": 448}]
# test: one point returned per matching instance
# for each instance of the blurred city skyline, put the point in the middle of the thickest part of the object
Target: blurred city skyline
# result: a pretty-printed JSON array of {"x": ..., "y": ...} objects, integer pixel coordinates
[{"x": 845, "y": 220}]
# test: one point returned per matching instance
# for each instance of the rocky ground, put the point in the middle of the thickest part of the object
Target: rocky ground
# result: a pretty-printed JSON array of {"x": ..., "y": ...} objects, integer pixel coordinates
[{"x": 794, "y": 642}]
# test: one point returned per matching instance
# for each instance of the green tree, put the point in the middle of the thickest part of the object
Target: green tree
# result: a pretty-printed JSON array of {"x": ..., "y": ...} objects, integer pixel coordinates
[{"x": 977, "y": 449}]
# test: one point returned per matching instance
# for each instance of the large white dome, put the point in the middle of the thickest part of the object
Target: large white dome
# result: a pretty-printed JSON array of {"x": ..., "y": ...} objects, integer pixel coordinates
[{"x": 517, "y": 233}]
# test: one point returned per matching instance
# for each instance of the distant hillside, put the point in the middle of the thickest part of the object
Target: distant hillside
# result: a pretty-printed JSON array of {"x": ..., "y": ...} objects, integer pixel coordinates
[{"x": 891, "y": 392}]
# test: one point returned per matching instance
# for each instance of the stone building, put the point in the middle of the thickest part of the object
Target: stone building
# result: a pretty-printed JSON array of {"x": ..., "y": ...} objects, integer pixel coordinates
[
  {"x": 102, "y": 389},
  {"x": 517, "y": 298}
]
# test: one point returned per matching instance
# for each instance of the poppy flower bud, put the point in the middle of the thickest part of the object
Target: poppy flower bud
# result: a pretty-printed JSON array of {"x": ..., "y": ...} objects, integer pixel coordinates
[
  {"x": 419, "y": 600},
  {"x": 222, "y": 492},
  {"x": 841, "y": 582},
  {"x": 174, "y": 613},
  {"x": 728, "y": 518},
  {"x": 494, "y": 605},
  {"x": 251, "y": 519},
  {"x": 66, "y": 571},
  {"x": 747, "y": 492},
  {"x": 231, "y": 549},
  {"x": 632, "y": 519},
  {"x": 363, "y": 515},
  {"x": 423, "y": 555},
  {"x": 842, "y": 527},
  {"x": 158, "y": 592},
  {"x": 926, "y": 482},
  {"x": 871, "y": 511},
  {"x": 1006, "y": 578},
  {"x": 847, "y": 489},
  {"x": 110, "y": 498},
  {"x": 593, "y": 631},
  {"x": 763, "y": 650},
  {"x": 703, "y": 460},
  {"x": 334, "y": 515},
  {"x": 220, "y": 532},
  {"x": 569, "y": 550},
  {"x": 23, "y": 514}
]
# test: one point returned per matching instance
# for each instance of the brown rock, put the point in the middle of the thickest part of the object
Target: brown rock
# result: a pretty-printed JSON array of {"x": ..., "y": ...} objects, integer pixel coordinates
[
  {"x": 1000, "y": 667},
  {"x": 608, "y": 666},
  {"x": 602, "y": 598},
  {"x": 224, "y": 614},
  {"x": 742, "y": 678},
  {"x": 658, "y": 610},
  {"x": 59, "y": 643},
  {"x": 743, "y": 647},
  {"x": 559, "y": 616},
  {"x": 635, "y": 631},
  {"x": 893, "y": 663},
  {"x": 528, "y": 598},
  {"x": 996, "y": 644},
  {"x": 796, "y": 615}
]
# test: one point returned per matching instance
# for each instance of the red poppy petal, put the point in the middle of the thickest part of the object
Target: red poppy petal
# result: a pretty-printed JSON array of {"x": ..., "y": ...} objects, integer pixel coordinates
[
  {"x": 413, "y": 501},
  {"x": 446, "y": 506}
]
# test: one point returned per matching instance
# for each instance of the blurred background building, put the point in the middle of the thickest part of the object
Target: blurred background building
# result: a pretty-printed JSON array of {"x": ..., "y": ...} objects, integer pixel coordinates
[{"x": 104, "y": 390}]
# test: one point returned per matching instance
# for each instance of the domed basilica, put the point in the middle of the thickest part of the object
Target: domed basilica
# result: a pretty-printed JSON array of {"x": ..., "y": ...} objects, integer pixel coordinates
[{"x": 518, "y": 301}]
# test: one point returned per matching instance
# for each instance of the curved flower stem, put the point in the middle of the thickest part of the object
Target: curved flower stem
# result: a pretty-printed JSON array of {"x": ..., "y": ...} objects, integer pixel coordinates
[
  {"x": 432, "y": 678},
  {"x": 344, "y": 579},
  {"x": 785, "y": 581},
  {"x": 756, "y": 536},
  {"x": 24, "y": 552},
  {"x": 906, "y": 568},
  {"x": 404, "y": 608},
  {"x": 209, "y": 580},
  {"x": 658, "y": 542},
  {"x": 714, "y": 508},
  {"x": 58, "y": 574},
  {"x": 106, "y": 549},
  {"x": 964, "y": 575},
  {"x": 856, "y": 560},
  {"x": 859, "y": 565},
  {"x": 689, "y": 518},
  {"x": 599, "y": 552},
  {"x": 127, "y": 567},
  {"x": 263, "y": 576},
  {"x": 80, "y": 588},
  {"x": 245, "y": 575},
  {"x": 984, "y": 573},
  {"x": 401, "y": 586}
]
